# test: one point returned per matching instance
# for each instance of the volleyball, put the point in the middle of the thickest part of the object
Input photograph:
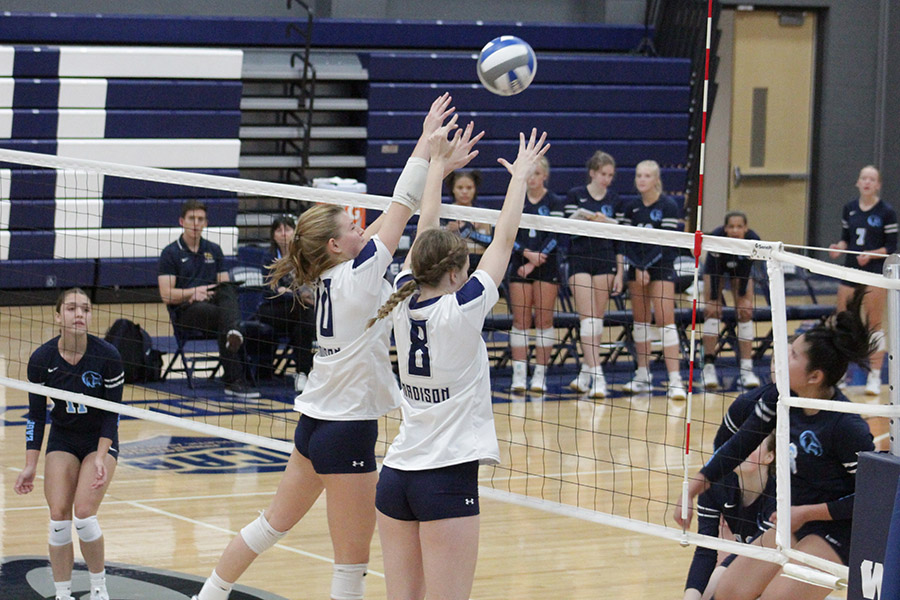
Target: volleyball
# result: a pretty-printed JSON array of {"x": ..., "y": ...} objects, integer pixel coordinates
[{"x": 506, "y": 65}]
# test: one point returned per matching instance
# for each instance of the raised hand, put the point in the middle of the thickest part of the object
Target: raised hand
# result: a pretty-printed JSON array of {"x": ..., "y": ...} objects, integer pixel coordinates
[
  {"x": 529, "y": 154},
  {"x": 440, "y": 110},
  {"x": 439, "y": 145},
  {"x": 463, "y": 154}
]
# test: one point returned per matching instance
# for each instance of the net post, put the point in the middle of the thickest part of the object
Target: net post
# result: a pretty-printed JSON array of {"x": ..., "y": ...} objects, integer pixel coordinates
[
  {"x": 782, "y": 411},
  {"x": 892, "y": 271}
]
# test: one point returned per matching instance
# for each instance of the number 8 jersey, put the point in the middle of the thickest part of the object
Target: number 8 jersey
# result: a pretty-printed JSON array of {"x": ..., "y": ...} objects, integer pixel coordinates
[
  {"x": 444, "y": 378},
  {"x": 351, "y": 378}
]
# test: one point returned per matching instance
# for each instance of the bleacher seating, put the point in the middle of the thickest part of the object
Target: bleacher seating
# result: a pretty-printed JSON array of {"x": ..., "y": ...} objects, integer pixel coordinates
[{"x": 149, "y": 106}]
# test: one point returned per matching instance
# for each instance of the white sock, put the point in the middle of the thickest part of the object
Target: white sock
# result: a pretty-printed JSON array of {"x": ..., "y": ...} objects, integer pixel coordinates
[
  {"x": 642, "y": 374},
  {"x": 539, "y": 371},
  {"x": 215, "y": 588},
  {"x": 98, "y": 579},
  {"x": 675, "y": 378},
  {"x": 596, "y": 371},
  {"x": 746, "y": 364},
  {"x": 520, "y": 367},
  {"x": 63, "y": 589}
]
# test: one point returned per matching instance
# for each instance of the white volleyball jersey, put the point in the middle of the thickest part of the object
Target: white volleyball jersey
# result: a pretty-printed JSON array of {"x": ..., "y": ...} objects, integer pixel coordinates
[
  {"x": 351, "y": 378},
  {"x": 444, "y": 378}
]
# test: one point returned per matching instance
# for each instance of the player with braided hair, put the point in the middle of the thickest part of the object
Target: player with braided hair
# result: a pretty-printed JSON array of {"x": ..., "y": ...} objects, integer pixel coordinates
[
  {"x": 350, "y": 385},
  {"x": 427, "y": 496},
  {"x": 824, "y": 449}
]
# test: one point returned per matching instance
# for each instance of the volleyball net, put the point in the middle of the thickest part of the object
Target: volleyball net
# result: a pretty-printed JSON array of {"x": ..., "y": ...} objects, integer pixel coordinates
[{"x": 619, "y": 457}]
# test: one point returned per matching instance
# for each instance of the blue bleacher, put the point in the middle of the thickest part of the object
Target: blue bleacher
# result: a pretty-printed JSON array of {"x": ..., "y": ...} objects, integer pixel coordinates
[
  {"x": 33, "y": 124},
  {"x": 35, "y": 274},
  {"x": 156, "y": 94},
  {"x": 39, "y": 183},
  {"x": 157, "y": 212}
]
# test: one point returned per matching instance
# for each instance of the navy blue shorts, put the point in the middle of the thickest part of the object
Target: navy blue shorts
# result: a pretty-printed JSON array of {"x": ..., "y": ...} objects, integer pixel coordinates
[
  {"x": 836, "y": 533},
  {"x": 592, "y": 265},
  {"x": 664, "y": 271},
  {"x": 337, "y": 446},
  {"x": 77, "y": 443},
  {"x": 429, "y": 495},
  {"x": 549, "y": 271}
]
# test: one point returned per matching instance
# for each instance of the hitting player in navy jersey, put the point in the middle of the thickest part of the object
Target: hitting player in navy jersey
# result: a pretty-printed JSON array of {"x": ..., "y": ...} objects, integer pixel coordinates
[
  {"x": 868, "y": 224},
  {"x": 427, "y": 497},
  {"x": 534, "y": 285},
  {"x": 595, "y": 269},
  {"x": 83, "y": 442},
  {"x": 824, "y": 449},
  {"x": 737, "y": 269},
  {"x": 651, "y": 279},
  {"x": 744, "y": 500},
  {"x": 351, "y": 384}
]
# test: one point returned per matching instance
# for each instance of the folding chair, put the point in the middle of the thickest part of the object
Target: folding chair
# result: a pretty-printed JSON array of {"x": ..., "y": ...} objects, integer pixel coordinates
[{"x": 197, "y": 350}]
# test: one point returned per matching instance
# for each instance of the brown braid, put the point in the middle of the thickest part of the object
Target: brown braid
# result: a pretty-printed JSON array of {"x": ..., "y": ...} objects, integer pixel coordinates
[
  {"x": 435, "y": 252},
  {"x": 308, "y": 255}
]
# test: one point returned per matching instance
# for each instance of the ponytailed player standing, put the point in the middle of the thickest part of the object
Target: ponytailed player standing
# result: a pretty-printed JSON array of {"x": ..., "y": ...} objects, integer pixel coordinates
[
  {"x": 83, "y": 443},
  {"x": 868, "y": 225}
]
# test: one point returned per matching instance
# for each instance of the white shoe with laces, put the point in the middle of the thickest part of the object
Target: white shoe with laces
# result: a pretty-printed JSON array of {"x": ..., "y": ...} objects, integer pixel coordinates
[
  {"x": 637, "y": 386},
  {"x": 582, "y": 383},
  {"x": 598, "y": 387},
  {"x": 710, "y": 378},
  {"x": 873, "y": 384},
  {"x": 676, "y": 390},
  {"x": 749, "y": 380},
  {"x": 519, "y": 380},
  {"x": 99, "y": 593}
]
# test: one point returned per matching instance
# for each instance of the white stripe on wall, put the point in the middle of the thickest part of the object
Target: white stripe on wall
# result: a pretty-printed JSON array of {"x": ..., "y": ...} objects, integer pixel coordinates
[
  {"x": 165, "y": 153},
  {"x": 132, "y": 242},
  {"x": 82, "y": 93},
  {"x": 5, "y": 207},
  {"x": 128, "y": 61},
  {"x": 7, "y": 58},
  {"x": 5, "y": 182},
  {"x": 78, "y": 185},
  {"x": 4, "y": 245},
  {"x": 74, "y": 214},
  {"x": 7, "y": 91},
  {"x": 6, "y": 121},
  {"x": 81, "y": 123}
]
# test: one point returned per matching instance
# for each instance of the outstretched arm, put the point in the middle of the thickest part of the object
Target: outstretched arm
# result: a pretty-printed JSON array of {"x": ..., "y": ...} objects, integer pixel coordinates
[
  {"x": 408, "y": 191},
  {"x": 496, "y": 257}
]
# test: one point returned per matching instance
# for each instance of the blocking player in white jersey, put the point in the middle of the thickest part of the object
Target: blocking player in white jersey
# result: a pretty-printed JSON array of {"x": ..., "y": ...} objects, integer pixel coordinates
[
  {"x": 427, "y": 496},
  {"x": 350, "y": 384}
]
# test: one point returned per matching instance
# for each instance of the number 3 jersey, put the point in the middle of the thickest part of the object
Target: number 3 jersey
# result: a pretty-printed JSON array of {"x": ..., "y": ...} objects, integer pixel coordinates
[
  {"x": 351, "y": 378},
  {"x": 99, "y": 373},
  {"x": 444, "y": 378}
]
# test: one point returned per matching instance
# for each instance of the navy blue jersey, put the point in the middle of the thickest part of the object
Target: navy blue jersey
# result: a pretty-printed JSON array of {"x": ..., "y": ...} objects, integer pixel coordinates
[
  {"x": 824, "y": 449},
  {"x": 580, "y": 197},
  {"x": 728, "y": 264},
  {"x": 99, "y": 373},
  {"x": 662, "y": 214},
  {"x": 192, "y": 269},
  {"x": 868, "y": 230},
  {"x": 544, "y": 242},
  {"x": 724, "y": 499}
]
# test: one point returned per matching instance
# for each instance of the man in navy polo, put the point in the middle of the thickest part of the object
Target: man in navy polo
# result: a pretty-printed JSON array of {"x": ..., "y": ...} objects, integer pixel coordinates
[{"x": 190, "y": 271}]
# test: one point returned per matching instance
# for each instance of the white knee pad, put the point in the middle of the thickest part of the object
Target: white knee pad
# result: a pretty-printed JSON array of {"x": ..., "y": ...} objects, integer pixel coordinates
[
  {"x": 591, "y": 327},
  {"x": 348, "y": 582},
  {"x": 641, "y": 332},
  {"x": 711, "y": 326},
  {"x": 670, "y": 336},
  {"x": 746, "y": 331},
  {"x": 877, "y": 340},
  {"x": 545, "y": 338},
  {"x": 259, "y": 535},
  {"x": 60, "y": 533},
  {"x": 518, "y": 338},
  {"x": 88, "y": 529}
]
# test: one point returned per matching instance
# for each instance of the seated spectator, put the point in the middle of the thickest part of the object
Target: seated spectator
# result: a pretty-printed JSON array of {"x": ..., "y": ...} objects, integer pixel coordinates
[
  {"x": 287, "y": 313},
  {"x": 463, "y": 187},
  {"x": 192, "y": 272}
]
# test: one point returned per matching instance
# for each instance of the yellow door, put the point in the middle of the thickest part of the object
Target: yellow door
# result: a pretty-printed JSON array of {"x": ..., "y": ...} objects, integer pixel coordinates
[{"x": 770, "y": 121}]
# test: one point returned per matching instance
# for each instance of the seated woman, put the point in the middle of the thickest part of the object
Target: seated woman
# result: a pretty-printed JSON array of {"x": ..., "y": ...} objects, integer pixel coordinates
[
  {"x": 463, "y": 187},
  {"x": 286, "y": 312}
]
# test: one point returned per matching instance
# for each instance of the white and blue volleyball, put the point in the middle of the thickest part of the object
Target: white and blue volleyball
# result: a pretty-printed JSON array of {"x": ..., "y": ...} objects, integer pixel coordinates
[{"x": 506, "y": 65}]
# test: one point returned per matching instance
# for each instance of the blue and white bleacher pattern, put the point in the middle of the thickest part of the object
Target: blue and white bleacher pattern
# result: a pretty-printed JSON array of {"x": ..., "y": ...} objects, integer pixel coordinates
[
  {"x": 632, "y": 107},
  {"x": 149, "y": 106}
]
